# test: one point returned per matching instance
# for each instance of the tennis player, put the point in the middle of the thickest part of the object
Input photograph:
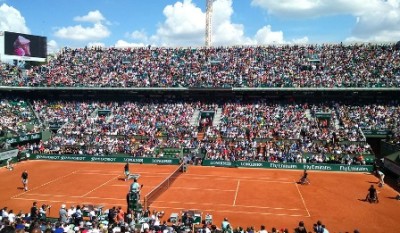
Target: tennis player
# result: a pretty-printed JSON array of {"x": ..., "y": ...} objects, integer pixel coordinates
[
  {"x": 24, "y": 178},
  {"x": 126, "y": 171},
  {"x": 304, "y": 178}
]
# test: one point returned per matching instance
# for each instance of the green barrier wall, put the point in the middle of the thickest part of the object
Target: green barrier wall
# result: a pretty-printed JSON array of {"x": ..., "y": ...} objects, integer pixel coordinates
[
  {"x": 291, "y": 166},
  {"x": 219, "y": 163},
  {"x": 106, "y": 159}
]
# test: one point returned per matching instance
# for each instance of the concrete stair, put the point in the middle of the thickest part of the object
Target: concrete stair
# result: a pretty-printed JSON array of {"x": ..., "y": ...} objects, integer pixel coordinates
[
  {"x": 194, "y": 121},
  {"x": 217, "y": 117}
]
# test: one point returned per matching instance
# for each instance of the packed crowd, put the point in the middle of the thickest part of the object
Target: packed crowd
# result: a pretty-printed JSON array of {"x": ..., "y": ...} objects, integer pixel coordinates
[
  {"x": 288, "y": 133},
  {"x": 373, "y": 117},
  {"x": 17, "y": 118},
  {"x": 107, "y": 128},
  {"x": 317, "y": 66},
  {"x": 255, "y": 131},
  {"x": 83, "y": 219}
]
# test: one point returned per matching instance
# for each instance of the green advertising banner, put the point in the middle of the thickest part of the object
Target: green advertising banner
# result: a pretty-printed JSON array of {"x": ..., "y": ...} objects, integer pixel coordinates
[
  {"x": 217, "y": 163},
  {"x": 375, "y": 133},
  {"x": 25, "y": 138},
  {"x": 106, "y": 159},
  {"x": 292, "y": 166}
]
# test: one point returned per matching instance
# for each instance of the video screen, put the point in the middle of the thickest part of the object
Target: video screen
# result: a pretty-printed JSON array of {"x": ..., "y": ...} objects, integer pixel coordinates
[{"x": 18, "y": 44}]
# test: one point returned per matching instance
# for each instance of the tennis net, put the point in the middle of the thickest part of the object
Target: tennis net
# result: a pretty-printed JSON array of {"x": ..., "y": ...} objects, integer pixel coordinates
[{"x": 162, "y": 187}]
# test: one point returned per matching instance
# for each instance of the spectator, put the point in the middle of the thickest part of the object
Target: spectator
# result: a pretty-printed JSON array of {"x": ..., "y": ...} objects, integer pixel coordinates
[
  {"x": 78, "y": 215},
  {"x": 224, "y": 224},
  {"x": 301, "y": 228},
  {"x": 34, "y": 212},
  {"x": 63, "y": 214},
  {"x": 263, "y": 230},
  {"x": 70, "y": 213}
]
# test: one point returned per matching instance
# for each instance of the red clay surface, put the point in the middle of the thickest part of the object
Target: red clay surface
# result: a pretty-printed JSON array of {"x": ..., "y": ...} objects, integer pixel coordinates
[{"x": 246, "y": 196}]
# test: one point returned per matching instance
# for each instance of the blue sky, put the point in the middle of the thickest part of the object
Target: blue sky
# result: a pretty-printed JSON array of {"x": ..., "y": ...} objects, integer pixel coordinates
[{"x": 124, "y": 23}]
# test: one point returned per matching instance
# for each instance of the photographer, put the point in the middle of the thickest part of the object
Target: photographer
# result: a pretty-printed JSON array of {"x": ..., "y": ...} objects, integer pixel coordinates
[{"x": 43, "y": 211}]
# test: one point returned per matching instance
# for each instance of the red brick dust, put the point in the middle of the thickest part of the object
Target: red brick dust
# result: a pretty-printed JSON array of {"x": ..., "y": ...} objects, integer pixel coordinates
[{"x": 246, "y": 196}]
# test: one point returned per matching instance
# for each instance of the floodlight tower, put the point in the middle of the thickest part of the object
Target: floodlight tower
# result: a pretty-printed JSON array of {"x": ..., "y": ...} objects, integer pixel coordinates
[{"x": 209, "y": 9}]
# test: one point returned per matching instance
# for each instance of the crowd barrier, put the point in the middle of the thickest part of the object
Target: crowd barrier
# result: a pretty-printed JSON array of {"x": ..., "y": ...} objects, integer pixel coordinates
[
  {"x": 290, "y": 166},
  {"x": 106, "y": 159},
  {"x": 219, "y": 163}
]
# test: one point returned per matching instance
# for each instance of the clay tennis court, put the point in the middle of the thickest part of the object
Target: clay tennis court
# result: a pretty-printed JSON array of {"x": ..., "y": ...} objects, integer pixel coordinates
[{"x": 246, "y": 196}]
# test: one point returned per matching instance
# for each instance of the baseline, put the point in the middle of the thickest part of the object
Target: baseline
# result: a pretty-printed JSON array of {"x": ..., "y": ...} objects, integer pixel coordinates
[{"x": 42, "y": 185}]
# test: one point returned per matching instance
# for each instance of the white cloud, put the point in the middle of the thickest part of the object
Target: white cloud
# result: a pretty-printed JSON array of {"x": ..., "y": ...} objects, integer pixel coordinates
[
  {"x": 303, "y": 40},
  {"x": 12, "y": 20},
  {"x": 184, "y": 25},
  {"x": 92, "y": 16},
  {"x": 376, "y": 20},
  {"x": 266, "y": 36},
  {"x": 225, "y": 32},
  {"x": 80, "y": 33},
  {"x": 310, "y": 8},
  {"x": 52, "y": 47},
  {"x": 124, "y": 44},
  {"x": 139, "y": 36},
  {"x": 380, "y": 23}
]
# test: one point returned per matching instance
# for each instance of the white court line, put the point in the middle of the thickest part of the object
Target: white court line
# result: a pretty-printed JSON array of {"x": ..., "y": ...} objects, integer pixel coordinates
[
  {"x": 105, "y": 183},
  {"x": 108, "y": 198},
  {"x": 50, "y": 195},
  {"x": 88, "y": 197},
  {"x": 272, "y": 181},
  {"x": 72, "y": 202},
  {"x": 121, "y": 174},
  {"x": 51, "y": 181},
  {"x": 99, "y": 174},
  {"x": 203, "y": 189},
  {"x": 115, "y": 173},
  {"x": 181, "y": 188},
  {"x": 201, "y": 176},
  {"x": 232, "y": 211},
  {"x": 226, "y": 205},
  {"x": 302, "y": 199},
  {"x": 236, "y": 193},
  {"x": 196, "y": 177},
  {"x": 230, "y": 178}
]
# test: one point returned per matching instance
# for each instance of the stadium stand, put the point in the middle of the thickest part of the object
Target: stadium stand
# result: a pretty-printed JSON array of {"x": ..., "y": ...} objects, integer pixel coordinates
[
  {"x": 299, "y": 66},
  {"x": 287, "y": 127}
]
